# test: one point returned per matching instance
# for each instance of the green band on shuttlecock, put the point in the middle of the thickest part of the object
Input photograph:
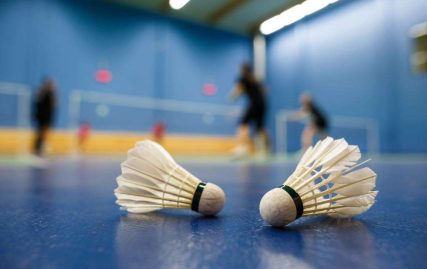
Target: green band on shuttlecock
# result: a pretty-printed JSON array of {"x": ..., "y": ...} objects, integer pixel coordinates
[
  {"x": 296, "y": 198},
  {"x": 197, "y": 196}
]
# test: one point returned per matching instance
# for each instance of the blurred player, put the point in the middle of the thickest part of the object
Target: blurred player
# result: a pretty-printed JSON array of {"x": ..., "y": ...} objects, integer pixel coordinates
[
  {"x": 159, "y": 131},
  {"x": 44, "y": 112},
  {"x": 83, "y": 135},
  {"x": 255, "y": 111},
  {"x": 317, "y": 123}
]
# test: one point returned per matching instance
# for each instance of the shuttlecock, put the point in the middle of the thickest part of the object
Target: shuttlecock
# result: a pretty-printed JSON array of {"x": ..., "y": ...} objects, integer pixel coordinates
[
  {"x": 325, "y": 182},
  {"x": 152, "y": 180}
]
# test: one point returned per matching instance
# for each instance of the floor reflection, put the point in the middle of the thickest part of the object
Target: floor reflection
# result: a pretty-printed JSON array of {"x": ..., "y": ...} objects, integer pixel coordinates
[
  {"x": 318, "y": 243},
  {"x": 41, "y": 185},
  {"x": 168, "y": 239}
]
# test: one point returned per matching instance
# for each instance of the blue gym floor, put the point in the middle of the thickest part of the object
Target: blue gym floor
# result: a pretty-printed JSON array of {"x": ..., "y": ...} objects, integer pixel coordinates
[{"x": 64, "y": 216}]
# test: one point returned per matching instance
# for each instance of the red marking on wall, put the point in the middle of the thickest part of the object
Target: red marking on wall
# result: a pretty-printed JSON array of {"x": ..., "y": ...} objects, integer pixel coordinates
[
  {"x": 209, "y": 89},
  {"x": 103, "y": 76}
]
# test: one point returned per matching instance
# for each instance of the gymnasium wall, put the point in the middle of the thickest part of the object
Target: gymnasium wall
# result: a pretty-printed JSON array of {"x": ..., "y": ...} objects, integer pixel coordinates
[
  {"x": 354, "y": 57},
  {"x": 148, "y": 54}
]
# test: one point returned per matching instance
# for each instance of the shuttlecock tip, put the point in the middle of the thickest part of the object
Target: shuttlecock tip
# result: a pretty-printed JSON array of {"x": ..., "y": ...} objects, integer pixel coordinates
[
  {"x": 277, "y": 208},
  {"x": 212, "y": 200}
]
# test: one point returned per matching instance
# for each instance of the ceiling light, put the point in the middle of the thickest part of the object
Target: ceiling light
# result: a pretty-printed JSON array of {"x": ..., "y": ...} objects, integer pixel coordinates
[
  {"x": 293, "y": 15},
  {"x": 178, "y": 4}
]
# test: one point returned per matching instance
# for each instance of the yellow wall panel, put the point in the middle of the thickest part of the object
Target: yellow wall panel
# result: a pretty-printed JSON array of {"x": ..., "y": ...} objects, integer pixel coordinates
[{"x": 15, "y": 141}]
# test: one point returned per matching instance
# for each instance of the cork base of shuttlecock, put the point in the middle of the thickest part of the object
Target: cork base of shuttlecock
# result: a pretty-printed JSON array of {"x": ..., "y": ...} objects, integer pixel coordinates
[
  {"x": 212, "y": 200},
  {"x": 277, "y": 208}
]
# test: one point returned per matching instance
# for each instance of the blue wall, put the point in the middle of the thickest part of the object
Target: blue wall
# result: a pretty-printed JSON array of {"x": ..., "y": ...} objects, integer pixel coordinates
[
  {"x": 354, "y": 58},
  {"x": 148, "y": 54}
]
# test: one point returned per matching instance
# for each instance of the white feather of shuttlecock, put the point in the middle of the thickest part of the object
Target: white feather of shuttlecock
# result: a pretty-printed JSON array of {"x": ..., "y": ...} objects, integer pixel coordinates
[
  {"x": 328, "y": 182},
  {"x": 152, "y": 180}
]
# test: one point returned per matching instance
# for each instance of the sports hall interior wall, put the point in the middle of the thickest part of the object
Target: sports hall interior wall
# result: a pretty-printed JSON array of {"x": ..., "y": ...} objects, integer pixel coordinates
[
  {"x": 355, "y": 59},
  {"x": 149, "y": 55}
]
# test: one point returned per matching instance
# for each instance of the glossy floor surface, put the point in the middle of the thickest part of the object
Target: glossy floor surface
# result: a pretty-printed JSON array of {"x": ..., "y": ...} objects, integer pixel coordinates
[{"x": 64, "y": 216}]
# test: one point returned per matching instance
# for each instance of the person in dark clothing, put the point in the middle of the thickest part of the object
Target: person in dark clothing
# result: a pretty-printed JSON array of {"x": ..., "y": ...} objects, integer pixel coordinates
[
  {"x": 248, "y": 86},
  {"x": 43, "y": 114},
  {"x": 317, "y": 122}
]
